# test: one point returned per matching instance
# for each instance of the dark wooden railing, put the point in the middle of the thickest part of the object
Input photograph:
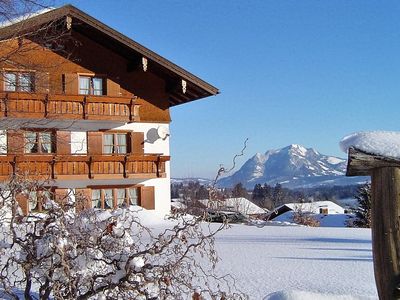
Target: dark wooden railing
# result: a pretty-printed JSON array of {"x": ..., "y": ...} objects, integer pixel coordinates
[
  {"x": 79, "y": 107},
  {"x": 71, "y": 167}
]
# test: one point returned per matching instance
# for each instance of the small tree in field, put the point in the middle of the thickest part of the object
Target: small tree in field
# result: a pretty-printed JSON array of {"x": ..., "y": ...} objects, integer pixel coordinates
[
  {"x": 363, "y": 211},
  {"x": 303, "y": 217}
]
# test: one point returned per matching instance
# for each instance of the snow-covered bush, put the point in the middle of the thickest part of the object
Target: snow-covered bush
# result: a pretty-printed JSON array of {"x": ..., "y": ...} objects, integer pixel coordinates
[
  {"x": 304, "y": 217},
  {"x": 102, "y": 254}
]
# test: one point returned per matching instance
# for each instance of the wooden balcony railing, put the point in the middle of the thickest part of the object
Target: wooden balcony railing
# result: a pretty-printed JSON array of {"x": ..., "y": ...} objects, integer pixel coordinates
[
  {"x": 77, "y": 107},
  {"x": 71, "y": 167}
]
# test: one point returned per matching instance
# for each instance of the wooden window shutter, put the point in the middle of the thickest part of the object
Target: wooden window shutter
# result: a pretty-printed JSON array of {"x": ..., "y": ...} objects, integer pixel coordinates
[
  {"x": 147, "y": 199},
  {"x": 42, "y": 82},
  {"x": 61, "y": 196},
  {"x": 63, "y": 142},
  {"x": 137, "y": 142},
  {"x": 1, "y": 81},
  {"x": 23, "y": 203},
  {"x": 83, "y": 199},
  {"x": 70, "y": 82},
  {"x": 113, "y": 88},
  {"x": 95, "y": 142},
  {"x": 15, "y": 141}
]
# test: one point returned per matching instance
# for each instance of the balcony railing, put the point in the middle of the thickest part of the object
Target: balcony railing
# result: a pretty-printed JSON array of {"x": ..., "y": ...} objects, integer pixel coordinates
[
  {"x": 78, "y": 107},
  {"x": 70, "y": 167}
]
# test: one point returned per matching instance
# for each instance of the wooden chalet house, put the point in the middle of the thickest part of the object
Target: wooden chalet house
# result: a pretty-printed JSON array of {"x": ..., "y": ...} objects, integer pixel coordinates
[{"x": 85, "y": 110}]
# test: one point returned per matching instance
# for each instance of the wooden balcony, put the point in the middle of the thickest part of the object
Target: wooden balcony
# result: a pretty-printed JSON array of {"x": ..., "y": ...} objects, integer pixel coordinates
[
  {"x": 73, "y": 167},
  {"x": 75, "y": 107}
]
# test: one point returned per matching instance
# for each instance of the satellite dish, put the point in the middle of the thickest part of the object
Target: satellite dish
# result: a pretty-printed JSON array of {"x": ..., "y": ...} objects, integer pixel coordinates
[{"x": 163, "y": 132}]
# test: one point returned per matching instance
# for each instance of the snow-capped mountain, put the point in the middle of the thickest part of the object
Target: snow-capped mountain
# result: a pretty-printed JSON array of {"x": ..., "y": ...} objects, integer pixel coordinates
[{"x": 293, "y": 166}]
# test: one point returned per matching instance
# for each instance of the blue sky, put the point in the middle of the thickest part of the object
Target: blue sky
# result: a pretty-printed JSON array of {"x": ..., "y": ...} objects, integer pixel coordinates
[{"x": 305, "y": 72}]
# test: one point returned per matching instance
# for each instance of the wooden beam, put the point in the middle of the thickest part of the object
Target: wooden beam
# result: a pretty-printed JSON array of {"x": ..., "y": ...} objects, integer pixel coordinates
[
  {"x": 386, "y": 231},
  {"x": 361, "y": 163}
]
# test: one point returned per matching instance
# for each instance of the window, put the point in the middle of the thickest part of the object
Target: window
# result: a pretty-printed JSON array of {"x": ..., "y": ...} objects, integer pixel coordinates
[
  {"x": 37, "y": 200},
  {"x": 114, "y": 143},
  {"x": 18, "y": 82},
  {"x": 323, "y": 210},
  {"x": 115, "y": 197},
  {"x": 39, "y": 142},
  {"x": 121, "y": 197},
  {"x": 90, "y": 85},
  {"x": 108, "y": 198},
  {"x": 96, "y": 198},
  {"x": 134, "y": 196}
]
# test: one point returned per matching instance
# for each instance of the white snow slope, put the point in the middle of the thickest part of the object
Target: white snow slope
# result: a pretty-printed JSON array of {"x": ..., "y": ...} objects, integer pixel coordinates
[{"x": 326, "y": 261}]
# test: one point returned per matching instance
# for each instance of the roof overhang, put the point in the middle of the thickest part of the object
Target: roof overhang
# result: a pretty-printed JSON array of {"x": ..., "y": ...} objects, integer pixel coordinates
[{"x": 181, "y": 85}]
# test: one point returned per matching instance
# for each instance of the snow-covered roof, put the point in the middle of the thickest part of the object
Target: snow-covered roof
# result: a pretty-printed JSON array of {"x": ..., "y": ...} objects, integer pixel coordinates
[
  {"x": 242, "y": 205},
  {"x": 384, "y": 143},
  {"x": 313, "y": 207}
]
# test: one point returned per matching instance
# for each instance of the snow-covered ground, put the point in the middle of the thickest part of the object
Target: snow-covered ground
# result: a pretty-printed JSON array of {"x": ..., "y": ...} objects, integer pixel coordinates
[
  {"x": 320, "y": 262},
  {"x": 284, "y": 261},
  {"x": 276, "y": 262}
]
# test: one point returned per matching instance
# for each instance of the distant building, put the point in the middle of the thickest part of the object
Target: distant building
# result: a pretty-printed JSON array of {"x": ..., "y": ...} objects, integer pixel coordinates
[
  {"x": 317, "y": 207},
  {"x": 241, "y": 205}
]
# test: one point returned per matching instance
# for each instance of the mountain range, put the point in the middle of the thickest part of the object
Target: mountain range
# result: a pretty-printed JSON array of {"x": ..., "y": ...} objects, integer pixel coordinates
[{"x": 293, "y": 166}]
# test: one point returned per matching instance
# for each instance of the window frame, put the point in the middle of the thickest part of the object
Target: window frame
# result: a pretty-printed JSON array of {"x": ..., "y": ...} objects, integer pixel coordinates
[
  {"x": 91, "y": 90},
  {"x": 18, "y": 87},
  {"x": 40, "y": 195},
  {"x": 116, "y": 204},
  {"x": 39, "y": 141},
  {"x": 115, "y": 147}
]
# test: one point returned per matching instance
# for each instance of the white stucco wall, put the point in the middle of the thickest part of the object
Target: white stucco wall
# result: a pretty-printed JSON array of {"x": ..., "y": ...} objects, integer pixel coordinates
[{"x": 78, "y": 142}]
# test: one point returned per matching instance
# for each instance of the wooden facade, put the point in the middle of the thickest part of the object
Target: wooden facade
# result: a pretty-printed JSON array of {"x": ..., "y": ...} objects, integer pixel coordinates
[{"x": 92, "y": 80}]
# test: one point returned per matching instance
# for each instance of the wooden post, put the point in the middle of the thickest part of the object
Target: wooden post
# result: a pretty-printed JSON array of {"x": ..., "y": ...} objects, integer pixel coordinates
[
  {"x": 385, "y": 213},
  {"x": 386, "y": 231}
]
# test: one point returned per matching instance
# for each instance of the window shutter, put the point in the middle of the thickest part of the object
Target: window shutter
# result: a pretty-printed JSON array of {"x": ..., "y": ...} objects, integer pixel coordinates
[
  {"x": 147, "y": 199},
  {"x": 1, "y": 81},
  {"x": 15, "y": 142},
  {"x": 23, "y": 203},
  {"x": 70, "y": 82},
  {"x": 137, "y": 142},
  {"x": 61, "y": 196},
  {"x": 95, "y": 142},
  {"x": 63, "y": 142},
  {"x": 42, "y": 82},
  {"x": 83, "y": 199},
  {"x": 113, "y": 88}
]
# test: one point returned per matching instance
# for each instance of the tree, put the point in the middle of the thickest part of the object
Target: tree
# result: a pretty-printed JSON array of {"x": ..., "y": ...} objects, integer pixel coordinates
[
  {"x": 277, "y": 195},
  {"x": 363, "y": 211},
  {"x": 239, "y": 191},
  {"x": 104, "y": 254},
  {"x": 303, "y": 217}
]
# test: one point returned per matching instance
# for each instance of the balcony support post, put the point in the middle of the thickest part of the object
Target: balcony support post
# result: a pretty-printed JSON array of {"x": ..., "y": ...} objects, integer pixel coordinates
[
  {"x": 125, "y": 162},
  {"x": 85, "y": 112},
  {"x": 46, "y": 109},
  {"x": 5, "y": 101},
  {"x": 52, "y": 167},
  {"x": 158, "y": 165},
  {"x": 90, "y": 163}
]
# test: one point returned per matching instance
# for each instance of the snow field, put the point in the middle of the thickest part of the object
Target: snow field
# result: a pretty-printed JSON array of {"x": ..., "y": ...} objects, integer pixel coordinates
[{"x": 328, "y": 262}]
